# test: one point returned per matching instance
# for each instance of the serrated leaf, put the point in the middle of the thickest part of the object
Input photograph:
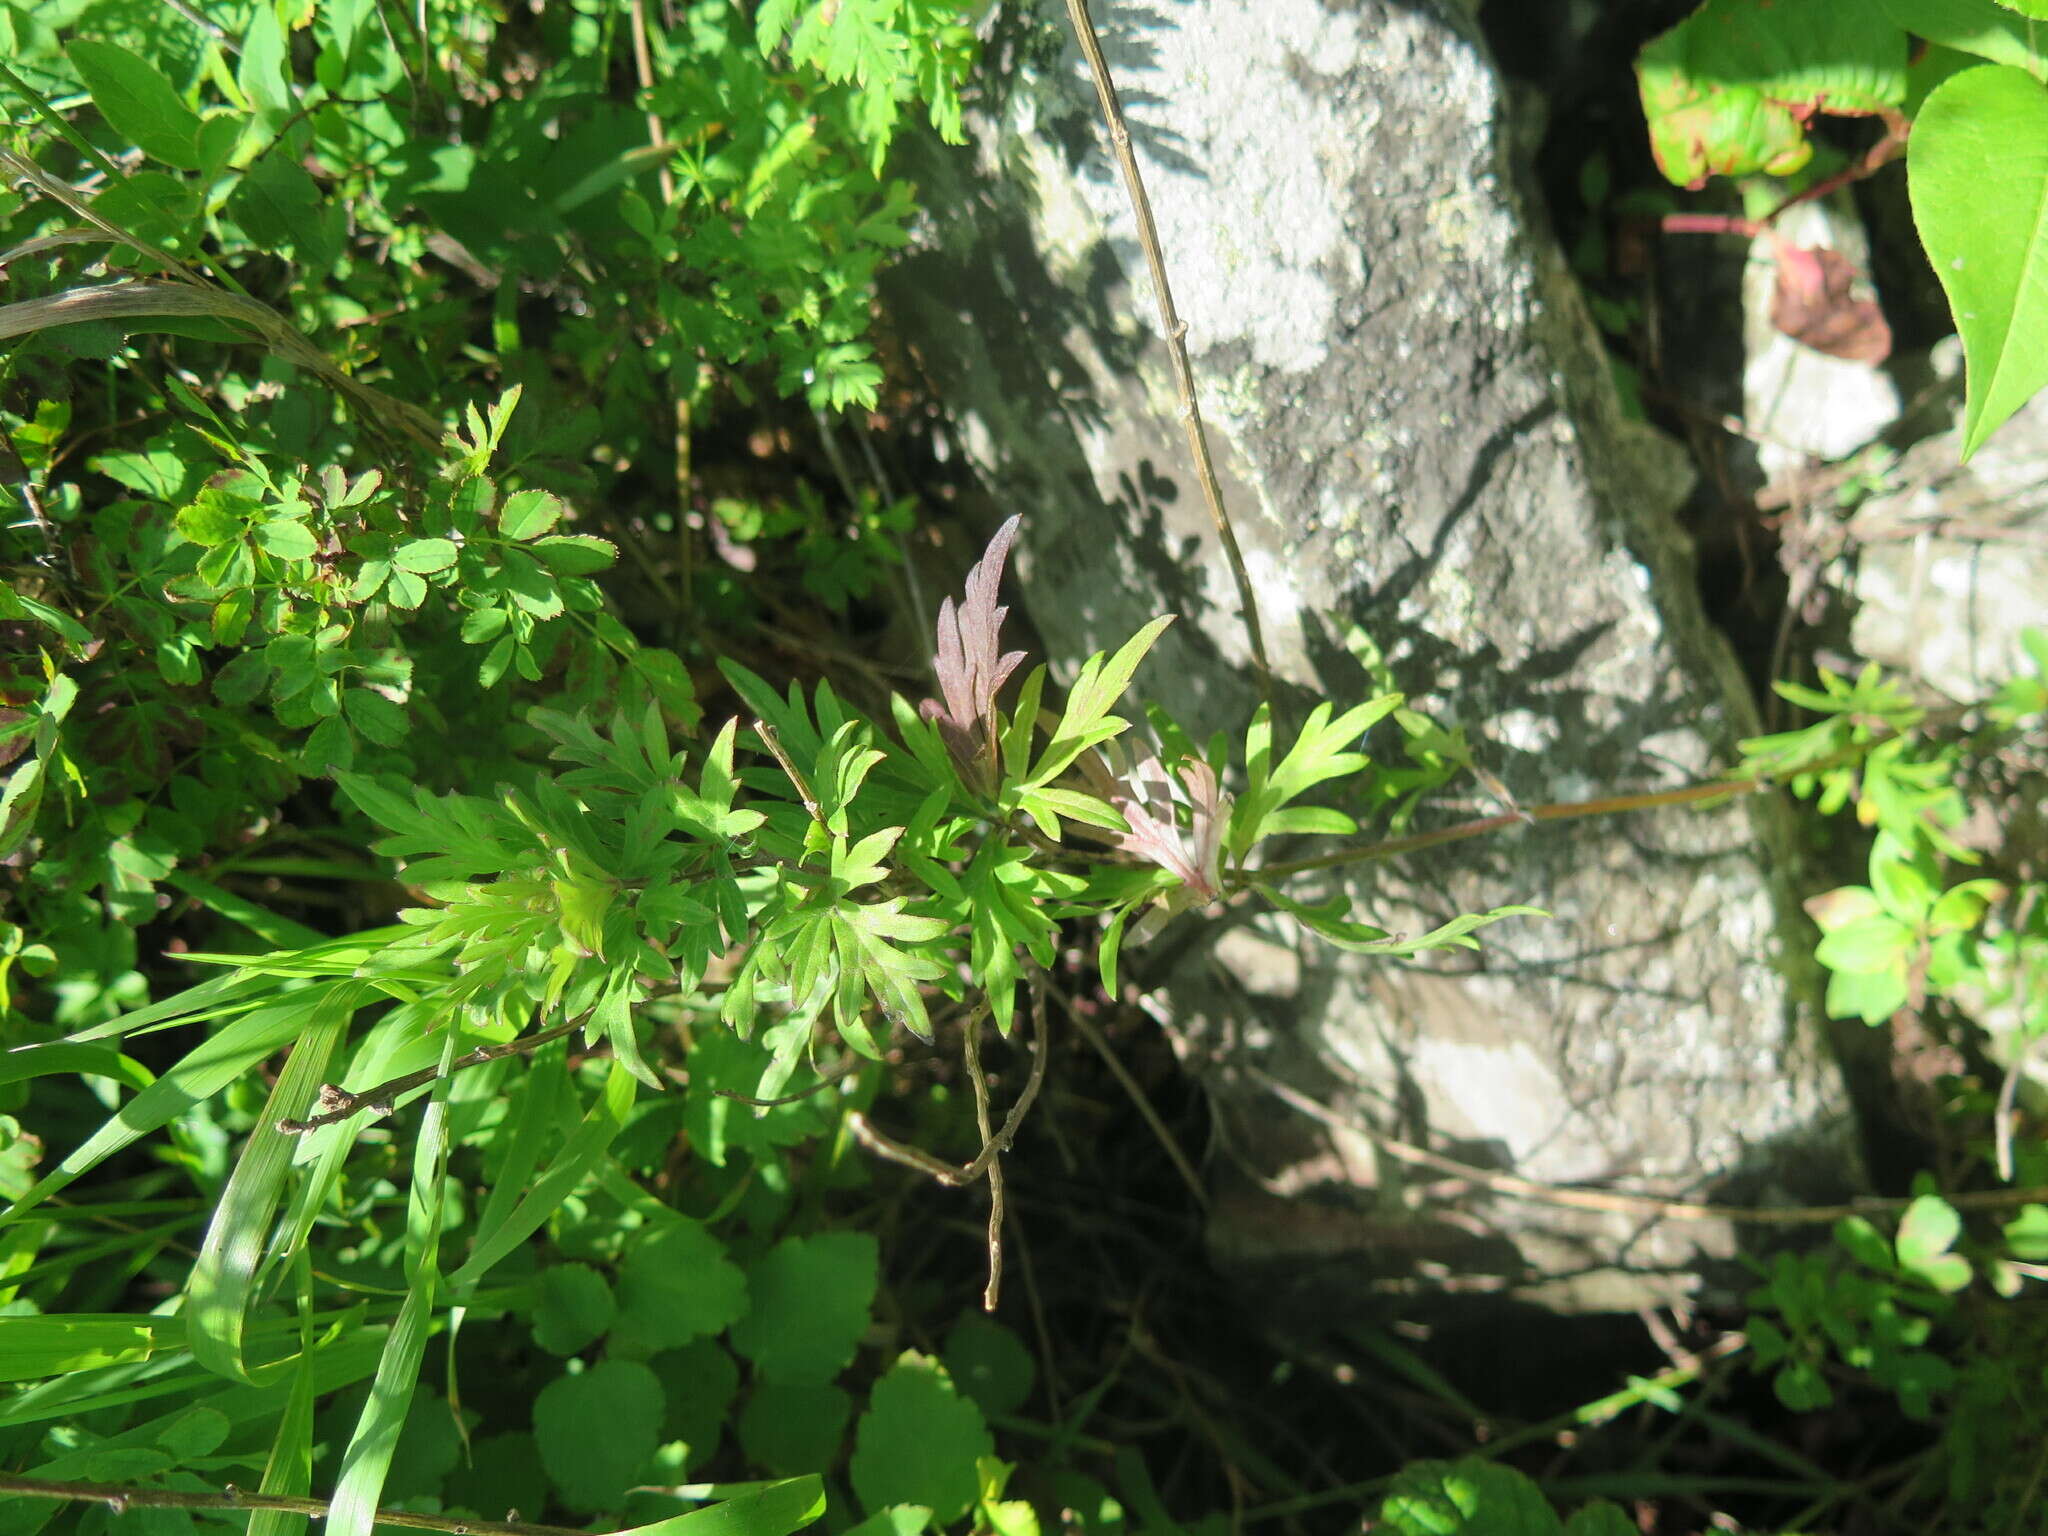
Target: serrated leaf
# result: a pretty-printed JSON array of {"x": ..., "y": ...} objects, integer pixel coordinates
[
  {"x": 423, "y": 557},
  {"x": 919, "y": 1443},
  {"x": 811, "y": 1297},
  {"x": 1729, "y": 91},
  {"x": 405, "y": 589},
  {"x": 286, "y": 538},
  {"x": 380, "y": 720},
  {"x": 675, "y": 1287},
  {"x": 575, "y": 554},
  {"x": 1466, "y": 1498},
  {"x": 575, "y": 1309},
  {"x": 211, "y": 521},
  {"x": 597, "y": 1430},
  {"x": 529, "y": 514},
  {"x": 1988, "y": 127}
]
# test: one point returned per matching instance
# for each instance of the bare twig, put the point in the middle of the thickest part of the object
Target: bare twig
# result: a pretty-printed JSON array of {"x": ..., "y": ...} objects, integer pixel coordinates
[
  {"x": 788, "y": 765},
  {"x": 1615, "y": 1200},
  {"x": 938, "y": 1168},
  {"x": 993, "y": 1145},
  {"x": 119, "y": 1500},
  {"x": 971, "y": 1048},
  {"x": 846, "y": 1069},
  {"x": 334, "y": 1103},
  {"x": 1176, "y": 336}
]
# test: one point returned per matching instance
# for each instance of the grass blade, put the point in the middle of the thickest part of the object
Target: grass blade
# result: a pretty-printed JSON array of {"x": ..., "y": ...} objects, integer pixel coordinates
[
  {"x": 571, "y": 1166},
  {"x": 222, "y": 1286},
  {"x": 202, "y": 1072},
  {"x": 368, "y": 1457}
]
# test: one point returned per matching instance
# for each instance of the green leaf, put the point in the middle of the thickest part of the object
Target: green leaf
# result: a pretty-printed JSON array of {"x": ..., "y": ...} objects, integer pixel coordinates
[
  {"x": 1981, "y": 128},
  {"x": 376, "y": 716},
  {"x": 495, "y": 1238},
  {"x": 1466, "y": 1498},
  {"x": 138, "y": 102},
  {"x": 990, "y": 1364},
  {"x": 1871, "y": 945},
  {"x": 2027, "y": 1234},
  {"x": 1982, "y": 27},
  {"x": 576, "y": 1308},
  {"x": 211, "y": 521},
  {"x": 529, "y": 514},
  {"x": 423, "y": 557},
  {"x": 597, "y": 1429},
  {"x": 286, "y": 538},
  {"x": 404, "y": 589},
  {"x": 199, "y": 1074},
  {"x": 674, "y": 1287},
  {"x": 787, "y": 1426},
  {"x": 774, "y": 1509},
  {"x": 575, "y": 554},
  {"x": 264, "y": 70},
  {"x": 223, "y": 1284},
  {"x": 35, "y": 1347},
  {"x": 1729, "y": 90},
  {"x": 811, "y": 1297},
  {"x": 1087, "y": 719},
  {"x": 918, "y": 1443},
  {"x": 1927, "y": 1231},
  {"x": 370, "y": 1449}
]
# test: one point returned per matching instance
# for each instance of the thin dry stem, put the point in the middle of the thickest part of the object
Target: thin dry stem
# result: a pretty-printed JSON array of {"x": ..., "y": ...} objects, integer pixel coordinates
[
  {"x": 971, "y": 1048},
  {"x": 336, "y": 1103},
  {"x": 643, "y": 66},
  {"x": 120, "y": 1499},
  {"x": 1175, "y": 330},
  {"x": 993, "y": 1145}
]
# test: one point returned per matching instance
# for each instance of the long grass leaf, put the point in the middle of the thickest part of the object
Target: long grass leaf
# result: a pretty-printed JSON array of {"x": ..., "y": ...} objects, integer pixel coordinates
[
  {"x": 278, "y": 932},
  {"x": 574, "y": 1163},
  {"x": 324, "y": 1151},
  {"x": 353, "y": 1509},
  {"x": 202, "y": 1072},
  {"x": 773, "y": 1510},
  {"x": 222, "y": 1285},
  {"x": 35, "y": 1347},
  {"x": 54, "y": 1056},
  {"x": 289, "y": 1469},
  {"x": 534, "y": 1114}
]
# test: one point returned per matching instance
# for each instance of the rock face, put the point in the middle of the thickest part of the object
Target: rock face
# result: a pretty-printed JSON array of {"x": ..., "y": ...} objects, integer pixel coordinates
[
  {"x": 1422, "y": 448},
  {"x": 1950, "y": 561}
]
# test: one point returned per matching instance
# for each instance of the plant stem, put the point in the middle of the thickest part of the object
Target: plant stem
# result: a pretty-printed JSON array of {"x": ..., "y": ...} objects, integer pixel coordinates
[
  {"x": 1568, "y": 810},
  {"x": 120, "y": 1500},
  {"x": 1176, "y": 331},
  {"x": 337, "y": 1103}
]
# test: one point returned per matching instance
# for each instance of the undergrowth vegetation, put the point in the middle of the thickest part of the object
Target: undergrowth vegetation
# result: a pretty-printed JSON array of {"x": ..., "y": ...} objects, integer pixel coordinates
[{"x": 467, "y": 923}]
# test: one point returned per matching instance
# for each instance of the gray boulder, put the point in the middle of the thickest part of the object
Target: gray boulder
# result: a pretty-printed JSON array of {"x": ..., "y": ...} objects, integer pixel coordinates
[{"x": 1425, "y": 458}]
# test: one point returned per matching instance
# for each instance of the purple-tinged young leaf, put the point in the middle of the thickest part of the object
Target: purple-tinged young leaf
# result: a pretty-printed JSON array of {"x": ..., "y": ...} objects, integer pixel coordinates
[
  {"x": 1147, "y": 797},
  {"x": 969, "y": 669}
]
